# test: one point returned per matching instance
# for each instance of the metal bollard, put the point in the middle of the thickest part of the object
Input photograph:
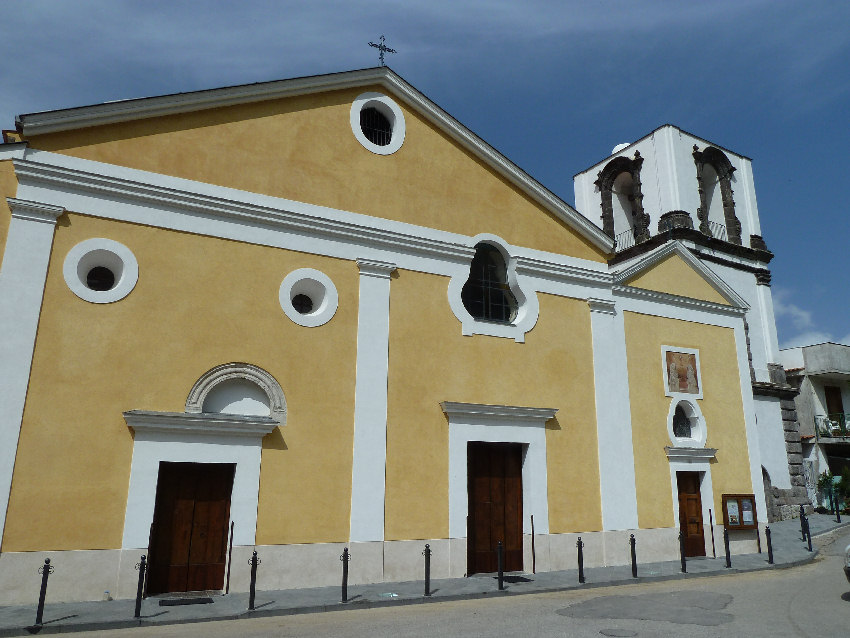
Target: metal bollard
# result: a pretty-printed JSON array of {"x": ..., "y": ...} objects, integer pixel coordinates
[
  {"x": 634, "y": 557},
  {"x": 500, "y": 561},
  {"x": 726, "y": 546},
  {"x": 345, "y": 558},
  {"x": 682, "y": 552},
  {"x": 142, "y": 566},
  {"x": 252, "y": 592},
  {"x": 808, "y": 535},
  {"x": 769, "y": 546},
  {"x": 580, "y": 546},
  {"x": 45, "y": 571},
  {"x": 427, "y": 553},
  {"x": 802, "y": 523}
]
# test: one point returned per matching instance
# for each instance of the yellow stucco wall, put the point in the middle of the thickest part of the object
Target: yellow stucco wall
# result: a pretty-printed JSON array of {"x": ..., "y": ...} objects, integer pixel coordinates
[
  {"x": 674, "y": 276},
  {"x": 430, "y": 361},
  {"x": 199, "y": 302},
  {"x": 302, "y": 148},
  {"x": 721, "y": 405},
  {"x": 8, "y": 188}
]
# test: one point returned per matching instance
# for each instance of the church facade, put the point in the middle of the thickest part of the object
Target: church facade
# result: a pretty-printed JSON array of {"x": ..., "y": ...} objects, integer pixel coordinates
[{"x": 320, "y": 313}]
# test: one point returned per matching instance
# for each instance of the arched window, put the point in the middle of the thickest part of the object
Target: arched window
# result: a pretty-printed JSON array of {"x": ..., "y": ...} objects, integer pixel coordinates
[
  {"x": 486, "y": 294},
  {"x": 717, "y": 205},
  {"x": 623, "y": 217},
  {"x": 238, "y": 388}
]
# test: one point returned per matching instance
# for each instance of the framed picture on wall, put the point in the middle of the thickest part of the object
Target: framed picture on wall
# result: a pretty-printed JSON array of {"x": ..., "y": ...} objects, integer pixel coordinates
[{"x": 739, "y": 511}]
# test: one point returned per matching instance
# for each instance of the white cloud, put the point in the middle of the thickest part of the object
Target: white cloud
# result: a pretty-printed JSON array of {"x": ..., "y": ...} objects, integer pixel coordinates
[{"x": 799, "y": 318}]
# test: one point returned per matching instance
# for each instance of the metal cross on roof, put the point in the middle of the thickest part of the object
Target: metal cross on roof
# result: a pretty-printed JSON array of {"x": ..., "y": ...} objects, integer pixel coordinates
[{"x": 383, "y": 48}]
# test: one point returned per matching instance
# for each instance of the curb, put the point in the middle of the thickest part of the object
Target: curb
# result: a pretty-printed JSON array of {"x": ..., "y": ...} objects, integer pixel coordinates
[{"x": 377, "y": 604}]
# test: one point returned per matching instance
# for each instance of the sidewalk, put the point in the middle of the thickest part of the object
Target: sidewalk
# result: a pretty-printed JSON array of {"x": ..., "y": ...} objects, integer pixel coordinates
[{"x": 788, "y": 551}]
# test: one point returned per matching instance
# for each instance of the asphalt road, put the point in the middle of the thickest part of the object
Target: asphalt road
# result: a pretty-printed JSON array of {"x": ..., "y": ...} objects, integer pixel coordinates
[{"x": 808, "y": 601}]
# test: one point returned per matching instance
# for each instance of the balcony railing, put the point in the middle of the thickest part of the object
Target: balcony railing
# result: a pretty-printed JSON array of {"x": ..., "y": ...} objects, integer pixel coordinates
[
  {"x": 718, "y": 231},
  {"x": 832, "y": 426},
  {"x": 624, "y": 240}
]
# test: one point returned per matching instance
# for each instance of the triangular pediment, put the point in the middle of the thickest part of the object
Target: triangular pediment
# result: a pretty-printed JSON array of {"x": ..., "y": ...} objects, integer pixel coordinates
[
  {"x": 293, "y": 139},
  {"x": 673, "y": 270}
]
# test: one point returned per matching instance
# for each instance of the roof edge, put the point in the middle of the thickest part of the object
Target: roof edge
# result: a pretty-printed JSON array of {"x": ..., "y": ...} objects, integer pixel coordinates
[{"x": 149, "y": 107}]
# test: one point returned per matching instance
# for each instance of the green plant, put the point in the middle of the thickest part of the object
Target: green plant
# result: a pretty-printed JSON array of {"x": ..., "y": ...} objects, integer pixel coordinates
[{"x": 825, "y": 480}]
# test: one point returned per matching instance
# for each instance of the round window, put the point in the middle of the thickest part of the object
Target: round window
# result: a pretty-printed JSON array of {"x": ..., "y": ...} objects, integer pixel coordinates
[
  {"x": 378, "y": 123},
  {"x": 308, "y": 297},
  {"x": 100, "y": 270}
]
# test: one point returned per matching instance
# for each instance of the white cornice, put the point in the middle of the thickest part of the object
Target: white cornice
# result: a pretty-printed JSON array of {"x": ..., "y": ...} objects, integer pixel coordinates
[
  {"x": 127, "y": 110},
  {"x": 200, "y": 424},
  {"x": 561, "y": 272},
  {"x": 373, "y": 268},
  {"x": 661, "y": 253},
  {"x": 498, "y": 412},
  {"x": 34, "y": 211},
  {"x": 676, "y": 300},
  {"x": 690, "y": 454},
  {"x": 356, "y": 229},
  {"x": 12, "y": 151},
  {"x": 602, "y": 306}
]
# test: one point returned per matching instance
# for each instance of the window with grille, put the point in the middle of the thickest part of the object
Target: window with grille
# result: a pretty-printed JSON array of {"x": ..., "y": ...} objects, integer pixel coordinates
[
  {"x": 375, "y": 126},
  {"x": 486, "y": 294},
  {"x": 681, "y": 423}
]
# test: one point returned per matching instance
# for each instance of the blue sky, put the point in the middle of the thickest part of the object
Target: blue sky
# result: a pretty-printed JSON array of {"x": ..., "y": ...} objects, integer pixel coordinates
[{"x": 552, "y": 85}]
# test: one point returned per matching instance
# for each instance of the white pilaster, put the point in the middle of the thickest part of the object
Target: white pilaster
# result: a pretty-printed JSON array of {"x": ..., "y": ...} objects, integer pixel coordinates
[
  {"x": 613, "y": 417},
  {"x": 368, "y": 474},
  {"x": 22, "y": 277}
]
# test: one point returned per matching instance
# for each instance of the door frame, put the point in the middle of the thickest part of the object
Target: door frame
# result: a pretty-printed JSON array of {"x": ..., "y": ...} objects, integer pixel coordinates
[
  {"x": 499, "y": 424},
  {"x": 706, "y": 494},
  {"x": 194, "y": 438}
]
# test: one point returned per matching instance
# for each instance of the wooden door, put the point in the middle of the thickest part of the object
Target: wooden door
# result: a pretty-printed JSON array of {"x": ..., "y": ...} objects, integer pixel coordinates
[
  {"x": 189, "y": 538},
  {"x": 495, "y": 506},
  {"x": 690, "y": 513}
]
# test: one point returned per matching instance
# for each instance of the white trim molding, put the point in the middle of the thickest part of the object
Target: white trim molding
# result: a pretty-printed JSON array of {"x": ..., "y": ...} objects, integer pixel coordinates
[
  {"x": 318, "y": 287},
  {"x": 194, "y": 438},
  {"x": 699, "y": 430},
  {"x": 23, "y": 274},
  {"x": 34, "y": 211},
  {"x": 241, "y": 371},
  {"x": 204, "y": 423},
  {"x": 499, "y": 424},
  {"x": 615, "y": 449},
  {"x": 691, "y": 454},
  {"x": 387, "y": 107},
  {"x": 518, "y": 414},
  {"x": 368, "y": 471},
  {"x": 106, "y": 253}
]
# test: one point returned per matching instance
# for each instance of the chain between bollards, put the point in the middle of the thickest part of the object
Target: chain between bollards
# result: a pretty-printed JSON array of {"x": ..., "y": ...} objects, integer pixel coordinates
[
  {"x": 345, "y": 557},
  {"x": 769, "y": 545},
  {"x": 634, "y": 555},
  {"x": 252, "y": 592},
  {"x": 142, "y": 566},
  {"x": 427, "y": 553},
  {"x": 682, "y": 551},
  {"x": 580, "y": 547},
  {"x": 45, "y": 571},
  {"x": 500, "y": 561},
  {"x": 726, "y": 547}
]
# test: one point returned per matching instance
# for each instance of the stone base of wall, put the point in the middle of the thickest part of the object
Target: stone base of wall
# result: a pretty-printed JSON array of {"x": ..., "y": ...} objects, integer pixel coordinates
[{"x": 89, "y": 575}]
